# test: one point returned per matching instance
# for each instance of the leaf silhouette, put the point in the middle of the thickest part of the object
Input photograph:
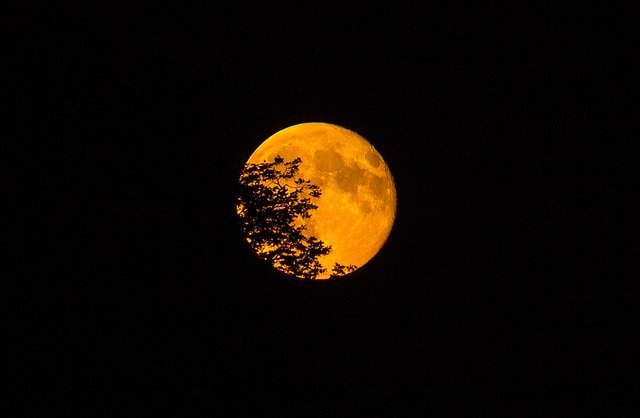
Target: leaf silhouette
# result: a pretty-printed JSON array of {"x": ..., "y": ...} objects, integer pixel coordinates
[{"x": 271, "y": 204}]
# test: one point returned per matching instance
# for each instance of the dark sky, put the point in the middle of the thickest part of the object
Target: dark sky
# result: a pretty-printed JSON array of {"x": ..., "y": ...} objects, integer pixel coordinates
[{"x": 505, "y": 127}]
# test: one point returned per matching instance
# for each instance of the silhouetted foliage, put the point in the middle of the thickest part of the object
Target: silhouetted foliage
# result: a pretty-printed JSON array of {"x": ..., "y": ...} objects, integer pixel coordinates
[
  {"x": 271, "y": 204},
  {"x": 340, "y": 269}
]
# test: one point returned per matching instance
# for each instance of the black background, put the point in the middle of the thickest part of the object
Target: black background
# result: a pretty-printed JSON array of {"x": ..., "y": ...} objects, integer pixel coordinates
[{"x": 498, "y": 292}]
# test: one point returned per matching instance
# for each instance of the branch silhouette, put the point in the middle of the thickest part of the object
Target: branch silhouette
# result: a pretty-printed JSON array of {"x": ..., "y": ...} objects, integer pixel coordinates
[{"x": 271, "y": 203}]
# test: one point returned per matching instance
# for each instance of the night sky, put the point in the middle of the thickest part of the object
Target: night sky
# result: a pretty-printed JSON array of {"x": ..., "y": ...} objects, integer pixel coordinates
[{"x": 505, "y": 127}]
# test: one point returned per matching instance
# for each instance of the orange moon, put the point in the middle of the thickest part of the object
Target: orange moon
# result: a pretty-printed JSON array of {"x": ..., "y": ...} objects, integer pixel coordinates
[{"x": 357, "y": 208}]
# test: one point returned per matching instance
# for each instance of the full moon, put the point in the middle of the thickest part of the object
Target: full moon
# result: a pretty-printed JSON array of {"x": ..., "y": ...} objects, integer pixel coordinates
[{"x": 357, "y": 207}]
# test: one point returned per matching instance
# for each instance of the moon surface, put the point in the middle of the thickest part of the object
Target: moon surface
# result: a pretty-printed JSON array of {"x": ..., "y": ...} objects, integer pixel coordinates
[{"x": 356, "y": 210}]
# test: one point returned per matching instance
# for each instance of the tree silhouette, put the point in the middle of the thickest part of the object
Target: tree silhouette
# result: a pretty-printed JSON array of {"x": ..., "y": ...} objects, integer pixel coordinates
[{"x": 272, "y": 204}]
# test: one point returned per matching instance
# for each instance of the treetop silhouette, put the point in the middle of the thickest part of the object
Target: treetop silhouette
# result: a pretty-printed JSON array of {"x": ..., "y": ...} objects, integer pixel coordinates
[{"x": 272, "y": 204}]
